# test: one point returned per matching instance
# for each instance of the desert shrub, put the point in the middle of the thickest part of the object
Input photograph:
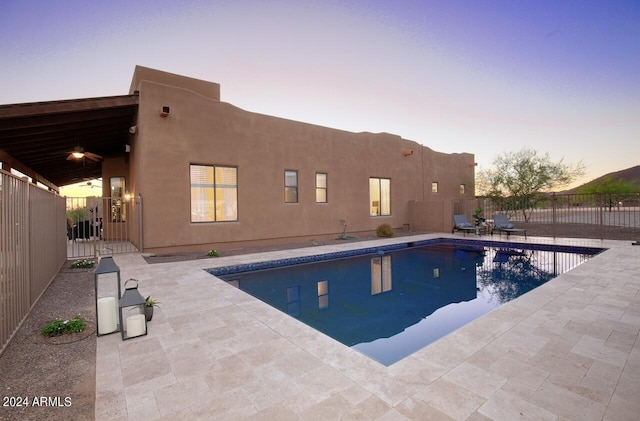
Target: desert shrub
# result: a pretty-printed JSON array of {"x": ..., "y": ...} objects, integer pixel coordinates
[
  {"x": 82, "y": 264},
  {"x": 385, "y": 230},
  {"x": 60, "y": 327}
]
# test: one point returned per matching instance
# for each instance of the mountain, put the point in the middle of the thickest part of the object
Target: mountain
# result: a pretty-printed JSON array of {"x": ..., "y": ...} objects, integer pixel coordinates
[{"x": 630, "y": 175}]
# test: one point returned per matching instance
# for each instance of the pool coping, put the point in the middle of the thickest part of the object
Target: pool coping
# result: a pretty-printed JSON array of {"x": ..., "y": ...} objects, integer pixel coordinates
[{"x": 322, "y": 257}]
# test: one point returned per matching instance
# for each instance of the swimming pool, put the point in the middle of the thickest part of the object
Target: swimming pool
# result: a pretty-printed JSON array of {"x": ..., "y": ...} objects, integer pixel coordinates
[{"x": 388, "y": 302}]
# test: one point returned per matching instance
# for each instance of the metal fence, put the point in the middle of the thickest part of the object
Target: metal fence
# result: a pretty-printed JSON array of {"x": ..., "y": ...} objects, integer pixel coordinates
[
  {"x": 32, "y": 248},
  {"x": 100, "y": 226},
  {"x": 594, "y": 215}
]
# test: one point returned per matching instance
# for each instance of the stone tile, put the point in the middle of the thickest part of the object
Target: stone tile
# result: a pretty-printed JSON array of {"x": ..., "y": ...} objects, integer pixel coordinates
[
  {"x": 416, "y": 409},
  {"x": 181, "y": 395},
  {"x": 505, "y": 406},
  {"x": 323, "y": 382},
  {"x": 477, "y": 380},
  {"x": 566, "y": 404},
  {"x": 596, "y": 348},
  {"x": 451, "y": 399},
  {"x": 621, "y": 409}
]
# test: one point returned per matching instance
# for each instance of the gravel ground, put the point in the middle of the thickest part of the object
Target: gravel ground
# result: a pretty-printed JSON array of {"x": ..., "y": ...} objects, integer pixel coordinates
[
  {"x": 58, "y": 373},
  {"x": 61, "y": 371}
]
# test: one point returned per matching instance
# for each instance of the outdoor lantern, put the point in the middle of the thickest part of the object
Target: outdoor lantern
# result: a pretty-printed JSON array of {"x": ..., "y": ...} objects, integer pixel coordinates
[
  {"x": 106, "y": 278},
  {"x": 132, "y": 319}
]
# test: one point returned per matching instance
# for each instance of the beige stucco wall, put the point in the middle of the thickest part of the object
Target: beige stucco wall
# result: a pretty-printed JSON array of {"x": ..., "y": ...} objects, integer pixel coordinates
[{"x": 203, "y": 130}]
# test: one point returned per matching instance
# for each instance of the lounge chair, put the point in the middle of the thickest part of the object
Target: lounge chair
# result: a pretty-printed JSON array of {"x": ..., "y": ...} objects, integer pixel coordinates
[
  {"x": 461, "y": 223},
  {"x": 502, "y": 224}
]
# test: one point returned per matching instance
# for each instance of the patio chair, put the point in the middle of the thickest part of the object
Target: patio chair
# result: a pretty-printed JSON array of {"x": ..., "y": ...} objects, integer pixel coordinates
[
  {"x": 502, "y": 224},
  {"x": 461, "y": 223}
]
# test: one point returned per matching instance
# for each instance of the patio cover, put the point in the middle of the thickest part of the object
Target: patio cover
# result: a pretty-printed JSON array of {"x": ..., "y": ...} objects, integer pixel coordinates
[{"x": 37, "y": 137}]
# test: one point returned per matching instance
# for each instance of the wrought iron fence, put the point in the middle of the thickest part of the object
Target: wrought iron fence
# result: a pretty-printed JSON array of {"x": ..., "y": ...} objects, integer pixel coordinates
[
  {"x": 596, "y": 215},
  {"x": 99, "y": 226}
]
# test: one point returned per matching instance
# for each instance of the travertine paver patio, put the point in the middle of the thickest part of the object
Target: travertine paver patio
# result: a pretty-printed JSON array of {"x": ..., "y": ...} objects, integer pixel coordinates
[{"x": 567, "y": 350}]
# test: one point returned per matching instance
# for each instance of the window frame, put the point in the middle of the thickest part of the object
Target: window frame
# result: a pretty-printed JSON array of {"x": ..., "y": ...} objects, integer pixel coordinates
[
  {"x": 214, "y": 188},
  {"x": 291, "y": 188},
  {"x": 381, "y": 203},
  {"x": 324, "y": 189}
]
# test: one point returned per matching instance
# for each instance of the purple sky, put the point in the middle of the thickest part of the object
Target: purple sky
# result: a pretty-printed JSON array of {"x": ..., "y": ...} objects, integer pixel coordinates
[{"x": 484, "y": 77}]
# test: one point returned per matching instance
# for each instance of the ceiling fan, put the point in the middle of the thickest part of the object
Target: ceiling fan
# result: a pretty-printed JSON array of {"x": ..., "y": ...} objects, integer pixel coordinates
[
  {"x": 91, "y": 185},
  {"x": 79, "y": 153}
]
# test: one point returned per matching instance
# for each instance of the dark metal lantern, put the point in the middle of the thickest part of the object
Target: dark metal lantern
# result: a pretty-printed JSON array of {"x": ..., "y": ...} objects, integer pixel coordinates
[
  {"x": 132, "y": 318},
  {"x": 106, "y": 278}
]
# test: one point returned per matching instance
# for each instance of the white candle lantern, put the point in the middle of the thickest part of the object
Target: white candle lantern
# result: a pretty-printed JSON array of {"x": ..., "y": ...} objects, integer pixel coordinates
[
  {"x": 106, "y": 278},
  {"x": 132, "y": 319}
]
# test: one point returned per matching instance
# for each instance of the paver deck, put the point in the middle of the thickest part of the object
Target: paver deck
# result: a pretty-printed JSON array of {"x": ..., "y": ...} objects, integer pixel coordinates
[{"x": 567, "y": 350}]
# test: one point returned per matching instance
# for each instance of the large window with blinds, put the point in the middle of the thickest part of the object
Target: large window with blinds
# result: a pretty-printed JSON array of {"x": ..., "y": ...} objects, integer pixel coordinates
[{"x": 214, "y": 193}]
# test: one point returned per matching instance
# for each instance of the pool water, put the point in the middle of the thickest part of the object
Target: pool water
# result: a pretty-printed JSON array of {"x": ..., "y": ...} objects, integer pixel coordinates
[{"x": 390, "y": 304}]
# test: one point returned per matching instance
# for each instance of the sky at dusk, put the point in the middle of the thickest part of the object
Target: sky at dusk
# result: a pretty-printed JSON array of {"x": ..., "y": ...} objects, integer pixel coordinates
[{"x": 484, "y": 77}]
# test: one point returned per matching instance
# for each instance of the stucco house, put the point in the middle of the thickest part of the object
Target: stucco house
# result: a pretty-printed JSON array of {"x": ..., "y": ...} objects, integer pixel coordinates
[{"x": 200, "y": 173}]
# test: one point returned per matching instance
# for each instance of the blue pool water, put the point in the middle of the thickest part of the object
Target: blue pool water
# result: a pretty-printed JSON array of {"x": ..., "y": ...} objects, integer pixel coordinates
[{"x": 389, "y": 303}]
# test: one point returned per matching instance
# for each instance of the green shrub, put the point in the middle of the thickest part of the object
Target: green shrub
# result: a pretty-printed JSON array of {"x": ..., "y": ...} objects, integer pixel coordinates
[
  {"x": 213, "y": 253},
  {"x": 385, "y": 230},
  {"x": 60, "y": 327},
  {"x": 82, "y": 264}
]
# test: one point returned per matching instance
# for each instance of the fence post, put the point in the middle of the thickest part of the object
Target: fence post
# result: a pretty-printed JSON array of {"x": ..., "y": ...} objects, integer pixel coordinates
[
  {"x": 601, "y": 212},
  {"x": 26, "y": 235},
  {"x": 553, "y": 213}
]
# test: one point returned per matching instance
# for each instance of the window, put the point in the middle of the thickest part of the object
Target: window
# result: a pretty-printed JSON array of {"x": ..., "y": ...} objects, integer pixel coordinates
[
  {"x": 380, "y": 196},
  {"x": 321, "y": 187},
  {"x": 291, "y": 186},
  {"x": 118, "y": 208},
  {"x": 214, "y": 193},
  {"x": 462, "y": 188},
  {"x": 434, "y": 187}
]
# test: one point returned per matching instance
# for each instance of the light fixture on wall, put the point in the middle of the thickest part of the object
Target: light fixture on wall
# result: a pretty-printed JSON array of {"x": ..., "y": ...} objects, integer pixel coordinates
[
  {"x": 407, "y": 152},
  {"x": 133, "y": 129}
]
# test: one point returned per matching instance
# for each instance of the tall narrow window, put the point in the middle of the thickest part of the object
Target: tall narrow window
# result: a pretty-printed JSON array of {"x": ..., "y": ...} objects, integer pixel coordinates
[
  {"x": 118, "y": 208},
  {"x": 291, "y": 186},
  {"x": 434, "y": 187},
  {"x": 462, "y": 188},
  {"x": 214, "y": 193},
  {"x": 380, "y": 196},
  {"x": 321, "y": 187}
]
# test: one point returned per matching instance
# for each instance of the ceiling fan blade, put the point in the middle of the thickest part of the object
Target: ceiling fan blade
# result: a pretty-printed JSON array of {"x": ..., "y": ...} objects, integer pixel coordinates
[
  {"x": 70, "y": 157},
  {"x": 93, "y": 156}
]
